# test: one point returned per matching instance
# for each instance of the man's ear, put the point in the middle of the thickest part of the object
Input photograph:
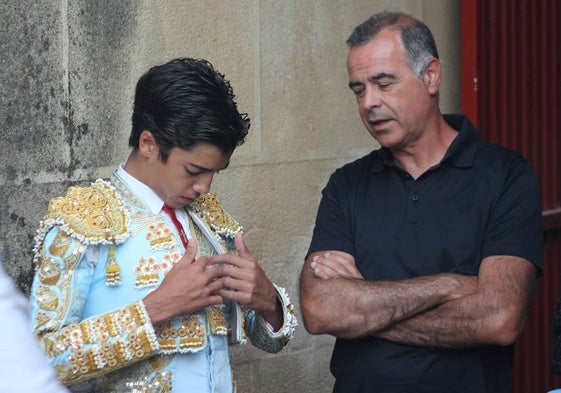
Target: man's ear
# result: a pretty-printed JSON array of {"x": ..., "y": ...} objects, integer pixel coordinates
[
  {"x": 147, "y": 146},
  {"x": 431, "y": 76}
]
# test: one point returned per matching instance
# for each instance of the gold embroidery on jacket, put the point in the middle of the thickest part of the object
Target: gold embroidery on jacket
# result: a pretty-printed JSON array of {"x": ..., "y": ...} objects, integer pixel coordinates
[
  {"x": 222, "y": 222},
  {"x": 112, "y": 269},
  {"x": 147, "y": 272},
  {"x": 93, "y": 214},
  {"x": 145, "y": 377},
  {"x": 122, "y": 337},
  {"x": 47, "y": 299},
  {"x": 49, "y": 271},
  {"x": 60, "y": 245},
  {"x": 188, "y": 336},
  {"x": 148, "y": 269},
  {"x": 159, "y": 235},
  {"x": 216, "y": 320},
  {"x": 42, "y": 319}
]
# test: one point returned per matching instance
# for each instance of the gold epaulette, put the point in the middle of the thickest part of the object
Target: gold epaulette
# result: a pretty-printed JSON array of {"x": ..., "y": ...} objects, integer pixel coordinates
[
  {"x": 217, "y": 218},
  {"x": 93, "y": 214}
]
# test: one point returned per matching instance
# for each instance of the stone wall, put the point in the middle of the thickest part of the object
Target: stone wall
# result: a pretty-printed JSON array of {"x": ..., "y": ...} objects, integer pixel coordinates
[{"x": 68, "y": 75}]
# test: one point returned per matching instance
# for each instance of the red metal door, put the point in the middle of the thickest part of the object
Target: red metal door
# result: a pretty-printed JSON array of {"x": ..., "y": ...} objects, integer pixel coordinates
[{"x": 511, "y": 90}]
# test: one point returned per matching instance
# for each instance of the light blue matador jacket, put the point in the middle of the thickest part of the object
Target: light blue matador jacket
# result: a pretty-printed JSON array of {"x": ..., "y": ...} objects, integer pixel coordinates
[{"x": 98, "y": 252}]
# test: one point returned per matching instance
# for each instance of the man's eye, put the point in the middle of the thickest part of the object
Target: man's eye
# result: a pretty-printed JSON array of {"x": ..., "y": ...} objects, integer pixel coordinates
[
  {"x": 384, "y": 86},
  {"x": 358, "y": 92}
]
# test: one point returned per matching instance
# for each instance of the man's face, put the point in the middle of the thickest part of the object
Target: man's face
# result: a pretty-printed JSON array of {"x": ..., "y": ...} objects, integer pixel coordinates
[
  {"x": 392, "y": 101},
  {"x": 186, "y": 174}
]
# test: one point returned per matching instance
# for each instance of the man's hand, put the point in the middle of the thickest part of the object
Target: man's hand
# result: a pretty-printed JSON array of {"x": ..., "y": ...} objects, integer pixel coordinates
[
  {"x": 335, "y": 264},
  {"x": 245, "y": 282},
  {"x": 189, "y": 287}
]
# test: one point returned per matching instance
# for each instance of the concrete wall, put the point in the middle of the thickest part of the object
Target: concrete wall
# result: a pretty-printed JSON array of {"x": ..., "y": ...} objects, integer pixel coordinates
[{"x": 68, "y": 74}]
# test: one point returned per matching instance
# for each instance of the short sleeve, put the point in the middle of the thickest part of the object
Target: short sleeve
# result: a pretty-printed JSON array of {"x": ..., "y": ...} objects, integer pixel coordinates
[{"x": 515, "y": 223}]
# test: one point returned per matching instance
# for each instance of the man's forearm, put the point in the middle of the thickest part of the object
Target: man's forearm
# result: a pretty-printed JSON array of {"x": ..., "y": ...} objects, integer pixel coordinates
[
  {"x": 350, "y": 308},
  {"x": 494, "y": 314},
  {"x": 455, "y": 324}
]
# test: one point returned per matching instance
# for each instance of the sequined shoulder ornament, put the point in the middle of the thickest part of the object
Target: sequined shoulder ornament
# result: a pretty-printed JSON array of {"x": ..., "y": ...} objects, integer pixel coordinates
[
  {"x": 218, "y": 219},
  {"x": 93, "y": 215}
]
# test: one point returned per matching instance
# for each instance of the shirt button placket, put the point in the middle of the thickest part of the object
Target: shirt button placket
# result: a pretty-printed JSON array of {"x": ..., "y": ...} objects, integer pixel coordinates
[{"x": 413, "y": 207}]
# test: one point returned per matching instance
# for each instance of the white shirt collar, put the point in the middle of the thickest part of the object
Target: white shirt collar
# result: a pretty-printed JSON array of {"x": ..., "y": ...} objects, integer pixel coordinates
[{"x": 149, "y": 197}]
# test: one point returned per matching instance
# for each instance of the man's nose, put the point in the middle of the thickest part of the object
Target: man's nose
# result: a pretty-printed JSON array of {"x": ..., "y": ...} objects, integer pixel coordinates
[
  {"x": 202, "y": 185},
  {"x": 371, "y": 99}
]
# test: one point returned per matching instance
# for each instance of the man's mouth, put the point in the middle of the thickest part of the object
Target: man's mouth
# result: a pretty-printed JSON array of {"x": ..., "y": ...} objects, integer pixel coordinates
[
  {"x": 379, "y": 122},
  {"x": 187, "y": 200}
]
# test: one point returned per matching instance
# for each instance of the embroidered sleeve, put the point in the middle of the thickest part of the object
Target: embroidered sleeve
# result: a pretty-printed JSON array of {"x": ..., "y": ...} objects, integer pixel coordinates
[
  {"x": 259, "y": 332},
  {"x": 81, "y": 349}
]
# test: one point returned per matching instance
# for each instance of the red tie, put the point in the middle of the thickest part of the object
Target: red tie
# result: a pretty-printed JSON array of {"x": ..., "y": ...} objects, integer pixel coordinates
[{"x": 178, "y": 226}]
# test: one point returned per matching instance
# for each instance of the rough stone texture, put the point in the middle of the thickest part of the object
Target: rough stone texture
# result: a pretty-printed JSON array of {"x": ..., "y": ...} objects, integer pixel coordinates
[{"x": 68, "y": 75}]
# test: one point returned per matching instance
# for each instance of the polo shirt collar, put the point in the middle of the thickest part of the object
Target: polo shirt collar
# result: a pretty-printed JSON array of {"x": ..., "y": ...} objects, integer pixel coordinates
[
  {"x": 461, "y": 152},
  {"x": 382, "y": 160}
]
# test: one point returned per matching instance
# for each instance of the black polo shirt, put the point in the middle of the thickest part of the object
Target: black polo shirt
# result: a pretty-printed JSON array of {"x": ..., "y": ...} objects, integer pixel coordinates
[{"x": 480, "y": 200}]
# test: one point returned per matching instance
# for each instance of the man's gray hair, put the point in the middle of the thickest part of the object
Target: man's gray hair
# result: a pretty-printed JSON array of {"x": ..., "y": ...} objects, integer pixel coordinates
[{"x": 415, "y": 35}]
